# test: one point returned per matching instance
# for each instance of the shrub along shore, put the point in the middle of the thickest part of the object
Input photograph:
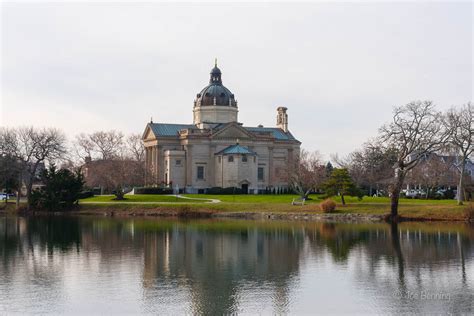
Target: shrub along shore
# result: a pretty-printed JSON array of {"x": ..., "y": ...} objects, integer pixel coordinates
[{"x": 270, "y": 207}]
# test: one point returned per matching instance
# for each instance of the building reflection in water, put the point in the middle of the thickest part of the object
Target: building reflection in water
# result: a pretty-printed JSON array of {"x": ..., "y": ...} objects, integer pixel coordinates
[
  {"x": 215, "y": 264},
  {"x": 222, "y": 267}
]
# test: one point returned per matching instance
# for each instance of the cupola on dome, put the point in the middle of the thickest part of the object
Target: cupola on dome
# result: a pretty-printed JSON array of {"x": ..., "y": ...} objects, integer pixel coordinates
[{"x": 215, "y": 93}]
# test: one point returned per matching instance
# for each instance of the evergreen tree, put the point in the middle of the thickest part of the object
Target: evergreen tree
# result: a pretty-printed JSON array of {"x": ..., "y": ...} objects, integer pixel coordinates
[
  {"x": 10, "y": 170},
  {"x": 329, "y": 168},
  {"x": 60, "y": 191},
  {"x": 340, "y": 182}
]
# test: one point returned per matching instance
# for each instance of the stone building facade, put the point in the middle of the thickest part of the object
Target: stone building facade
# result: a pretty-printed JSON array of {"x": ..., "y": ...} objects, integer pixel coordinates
[{"x": 218, "y": 151}]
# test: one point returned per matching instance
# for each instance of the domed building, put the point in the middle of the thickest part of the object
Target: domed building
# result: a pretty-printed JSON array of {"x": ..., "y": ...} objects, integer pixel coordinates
[{"x": 218, "y": 151}]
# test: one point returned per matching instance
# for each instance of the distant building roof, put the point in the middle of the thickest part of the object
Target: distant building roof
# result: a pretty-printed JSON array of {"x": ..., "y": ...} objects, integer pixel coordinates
[
  {"x": 165, "y": 129},
  {"x": 236, "y": 149},
  {"x": 277, "y": 132}
]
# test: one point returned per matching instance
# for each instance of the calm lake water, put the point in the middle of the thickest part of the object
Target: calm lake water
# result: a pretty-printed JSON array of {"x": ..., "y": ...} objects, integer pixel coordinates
[{"x": 132, "y": 266}]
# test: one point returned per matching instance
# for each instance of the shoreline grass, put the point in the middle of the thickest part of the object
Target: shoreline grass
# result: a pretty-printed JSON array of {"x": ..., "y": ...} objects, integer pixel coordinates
[{"x": 247, "y": 205}]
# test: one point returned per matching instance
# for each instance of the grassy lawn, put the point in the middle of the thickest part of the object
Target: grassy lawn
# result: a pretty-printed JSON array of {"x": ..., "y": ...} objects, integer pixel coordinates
[
  {"x": 282, "y": 203},
  {"x": 412, "y": 208},
  {"x": 267, "y": 204},
  {"x": 139, "y": 198},
  {"x": 287, "y": 198},
  {"x": 248, "y": 198}
]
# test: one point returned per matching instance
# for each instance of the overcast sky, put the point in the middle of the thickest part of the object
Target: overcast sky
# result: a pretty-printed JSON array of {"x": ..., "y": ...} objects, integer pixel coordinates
[{"x": 339, "y": 68}]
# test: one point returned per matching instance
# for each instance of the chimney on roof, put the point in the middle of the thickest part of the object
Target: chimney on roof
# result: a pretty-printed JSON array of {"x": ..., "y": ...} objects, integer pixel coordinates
[{"x": 282, "y": 118}]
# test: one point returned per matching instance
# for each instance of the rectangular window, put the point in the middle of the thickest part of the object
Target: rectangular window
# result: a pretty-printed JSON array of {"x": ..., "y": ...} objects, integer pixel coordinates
[
  {"x": 244, "y": 158},
  {"x": 200, "y": 173},
  {"x": 260, "y": 173},
  {"x": 230, "y": 159},
  {"x": 178, "y": 162},
  {"x": 219, "y": 159}
]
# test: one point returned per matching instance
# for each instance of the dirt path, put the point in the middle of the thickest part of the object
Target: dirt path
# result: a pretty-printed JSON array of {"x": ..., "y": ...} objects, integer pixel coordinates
[{"x": 210, "y": 201}]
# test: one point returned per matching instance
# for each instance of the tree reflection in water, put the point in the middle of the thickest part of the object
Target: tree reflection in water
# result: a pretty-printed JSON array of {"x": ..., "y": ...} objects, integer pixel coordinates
[{"x": 216, "y": 267}]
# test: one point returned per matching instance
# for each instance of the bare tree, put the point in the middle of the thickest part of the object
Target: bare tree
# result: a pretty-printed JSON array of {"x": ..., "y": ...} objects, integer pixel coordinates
[
  {"x": 416, "y": 131},
  {"x": 103, "y": 145},
  {"x": 115, "y": 162},
  {"x": 371, "y": 165},
  {"x": 341, "y": 162},
  {"x": 308, "y": 174},
  {"x": 32, "y": 147},
  {"x": 432, "y": 172},
  {"x": 115, "y": 175},
  {"x": 84, "y": 147},
  {"x": 109, "y": 144},
  {"x": 460, "y": 123},
  {"x": 135, "y": 147}
]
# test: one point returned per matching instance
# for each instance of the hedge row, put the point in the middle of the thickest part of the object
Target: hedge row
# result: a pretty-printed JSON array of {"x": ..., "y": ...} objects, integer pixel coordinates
[
  {"x": 219, "y": 190},
  {"x": 143, "y": 190}
]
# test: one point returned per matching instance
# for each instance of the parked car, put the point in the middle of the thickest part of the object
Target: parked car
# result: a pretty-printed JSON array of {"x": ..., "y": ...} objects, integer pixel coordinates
[
  {"x": 445, "y": 194},
  {"x": 3, "y": 196},
  {"x": 411, "y": 193},
  {"x": 414, "y": 194},
  {"x": 380, "y": 193}
]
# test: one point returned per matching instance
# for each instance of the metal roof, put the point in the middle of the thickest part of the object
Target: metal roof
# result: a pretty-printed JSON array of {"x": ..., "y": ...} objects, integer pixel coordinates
[
  {"x": 215, "y": 93},
  {"x": 276, "y": 132},
  {"x": 236, "y": 149},
  {"x": 165, "y": 129}
]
